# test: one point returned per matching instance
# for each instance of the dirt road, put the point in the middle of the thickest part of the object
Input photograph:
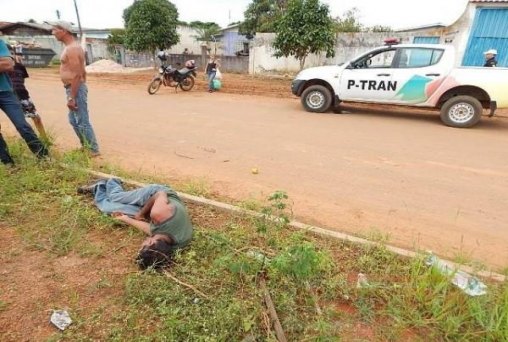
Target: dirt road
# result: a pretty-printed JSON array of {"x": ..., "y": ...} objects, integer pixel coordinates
[{"x": 406, "y": 175}]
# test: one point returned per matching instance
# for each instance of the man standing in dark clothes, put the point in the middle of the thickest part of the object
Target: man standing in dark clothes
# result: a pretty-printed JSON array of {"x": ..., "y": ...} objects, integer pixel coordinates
[
  {"x": 18, "y": 76},
  {"x": 490, "y": 58},
  {"x": 9, "y": 103},
  {"x": 5, "y": 157}
]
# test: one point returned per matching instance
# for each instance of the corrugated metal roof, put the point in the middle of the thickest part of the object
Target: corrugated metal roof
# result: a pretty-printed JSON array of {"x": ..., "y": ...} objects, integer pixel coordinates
[
  {"x": 37, "y": 26},
  {"x": 506, "y": 1},
  {"x": 4, "y": 23},
  {"x": 421, "y": 27}
]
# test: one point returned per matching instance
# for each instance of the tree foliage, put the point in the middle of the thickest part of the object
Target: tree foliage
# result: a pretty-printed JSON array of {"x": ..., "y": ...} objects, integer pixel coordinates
[
  {"x": 305, "y": 27},
  {"x": 206, "y": 31},
  {"x": 209, "y": 25},
  {"x": 261, "y": 16},
  {"x": 150, "y": 25},
  {"x": 349, "y": 22},
  {"x": 379, "y": 28},
  {"x": 206, "y": 34},
  {"x": 117, "y": 37}
]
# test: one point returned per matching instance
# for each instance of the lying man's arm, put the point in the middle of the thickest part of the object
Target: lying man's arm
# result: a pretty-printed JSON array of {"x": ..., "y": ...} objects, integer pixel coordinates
[
  {"x": 141, "y": 225},
  {"x": 147, "y": 207},
  {"x": 6, "y": 64},
  {"x": 162, "y": 209}
]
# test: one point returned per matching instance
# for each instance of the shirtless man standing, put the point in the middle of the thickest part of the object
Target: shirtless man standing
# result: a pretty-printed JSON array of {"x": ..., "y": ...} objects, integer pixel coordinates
[{"x": 73, "y": 75}]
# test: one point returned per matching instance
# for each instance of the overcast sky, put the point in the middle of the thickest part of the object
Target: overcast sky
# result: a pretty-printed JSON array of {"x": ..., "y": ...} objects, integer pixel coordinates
[{"x": 108, "y": 13}]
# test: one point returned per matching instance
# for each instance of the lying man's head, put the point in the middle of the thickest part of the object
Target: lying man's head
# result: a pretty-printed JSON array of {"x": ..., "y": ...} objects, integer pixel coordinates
[{"x": 155, "y": 252}]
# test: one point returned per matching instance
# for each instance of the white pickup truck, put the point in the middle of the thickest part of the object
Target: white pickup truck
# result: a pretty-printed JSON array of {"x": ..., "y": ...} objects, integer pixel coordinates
[{"x": 416, "y": 75}]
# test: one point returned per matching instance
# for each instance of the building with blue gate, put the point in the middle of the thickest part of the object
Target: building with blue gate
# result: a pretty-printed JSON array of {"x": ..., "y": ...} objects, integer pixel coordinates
[
  {"x": 482, "y": 26},
  {"x": 489, "y": 30}
]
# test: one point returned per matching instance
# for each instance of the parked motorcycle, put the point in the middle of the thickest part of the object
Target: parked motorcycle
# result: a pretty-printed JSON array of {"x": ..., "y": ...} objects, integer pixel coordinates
[{"x": 172, "y": 77}]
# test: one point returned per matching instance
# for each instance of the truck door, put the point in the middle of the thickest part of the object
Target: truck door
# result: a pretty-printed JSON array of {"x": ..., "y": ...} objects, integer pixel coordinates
[
  {"x": 369, "y": 78},
  {"x": 417, "y": 72}
]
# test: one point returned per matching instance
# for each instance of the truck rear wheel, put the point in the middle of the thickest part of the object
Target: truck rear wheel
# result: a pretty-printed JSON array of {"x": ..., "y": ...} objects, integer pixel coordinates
[
  {"x": 317, "y": 99},
  {"x": 461, "y": 111}
]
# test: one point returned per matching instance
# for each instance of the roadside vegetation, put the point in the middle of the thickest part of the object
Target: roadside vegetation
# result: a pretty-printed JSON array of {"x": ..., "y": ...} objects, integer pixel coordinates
[{"x": 217, "y": 289}]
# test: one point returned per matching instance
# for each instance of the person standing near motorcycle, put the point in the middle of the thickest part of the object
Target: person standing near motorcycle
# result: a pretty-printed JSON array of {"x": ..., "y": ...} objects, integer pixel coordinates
[
  {"x": 211, "y": 71},
  {"x": 73, "y": 75}
]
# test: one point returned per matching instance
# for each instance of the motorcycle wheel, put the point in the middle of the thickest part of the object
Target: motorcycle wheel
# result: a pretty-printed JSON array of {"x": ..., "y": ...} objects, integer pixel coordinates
[
  {"x": 154, "y": 86},
  {"x": 187, "y": 84}
]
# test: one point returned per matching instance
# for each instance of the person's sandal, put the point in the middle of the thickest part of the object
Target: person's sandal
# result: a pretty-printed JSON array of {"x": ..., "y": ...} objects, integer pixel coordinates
[{"x": 86, "y": 190}]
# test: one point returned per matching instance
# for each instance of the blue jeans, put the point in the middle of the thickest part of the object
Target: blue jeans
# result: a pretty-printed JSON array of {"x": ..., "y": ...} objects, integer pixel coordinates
[
  {"x": 80, "y": 121},
  {"x": 5, "y": 157},
  {"x": 9, "y": 103},
  {"x": 109, "y": 196},
  {"x": 211, "y": 77}
]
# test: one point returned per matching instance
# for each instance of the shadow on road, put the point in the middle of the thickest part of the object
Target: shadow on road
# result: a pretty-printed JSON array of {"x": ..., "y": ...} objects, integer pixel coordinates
[{"x": 411, "y": 114}]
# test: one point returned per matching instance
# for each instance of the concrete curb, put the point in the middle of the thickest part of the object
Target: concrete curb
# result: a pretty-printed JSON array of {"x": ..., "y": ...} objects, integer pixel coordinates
[{"x": 313, "y": 229}]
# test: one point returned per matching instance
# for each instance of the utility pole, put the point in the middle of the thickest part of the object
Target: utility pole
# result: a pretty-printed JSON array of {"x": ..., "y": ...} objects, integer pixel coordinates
[
  {"x": 81, "y": 38},
  {"x": 79, "y": 21},
  {"x": 214, "y": 45},
  {"x": 58, "y": 14}
]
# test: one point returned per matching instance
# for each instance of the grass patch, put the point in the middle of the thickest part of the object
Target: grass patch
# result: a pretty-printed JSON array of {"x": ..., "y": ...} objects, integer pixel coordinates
[{"x": 213, "y": 291}]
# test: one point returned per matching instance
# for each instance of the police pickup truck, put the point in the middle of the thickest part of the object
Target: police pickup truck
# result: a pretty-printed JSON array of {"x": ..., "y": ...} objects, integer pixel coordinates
[{"x": 416, "y": 75}]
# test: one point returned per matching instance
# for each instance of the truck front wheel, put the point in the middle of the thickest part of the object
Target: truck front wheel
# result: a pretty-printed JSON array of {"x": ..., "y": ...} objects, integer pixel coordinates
[
  {"x": 461, "y": 111},
  {"x": 317, "y": 99}
]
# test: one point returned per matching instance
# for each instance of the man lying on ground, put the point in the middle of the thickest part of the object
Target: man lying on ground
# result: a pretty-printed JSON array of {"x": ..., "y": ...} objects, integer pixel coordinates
[{"x": 156, "y": 210}]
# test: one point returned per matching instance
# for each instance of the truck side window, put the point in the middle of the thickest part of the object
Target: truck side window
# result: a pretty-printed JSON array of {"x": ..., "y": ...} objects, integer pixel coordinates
[
  {"x": 383, "y": 59},
  {"x": 380, "y": 59},
  {"x": 418, "y": 57}
]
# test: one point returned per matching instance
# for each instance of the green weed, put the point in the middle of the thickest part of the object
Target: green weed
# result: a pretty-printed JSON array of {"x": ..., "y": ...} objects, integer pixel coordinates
[
  {"x": 213, "y": 293},
  {"x": 196, "y": 187}
]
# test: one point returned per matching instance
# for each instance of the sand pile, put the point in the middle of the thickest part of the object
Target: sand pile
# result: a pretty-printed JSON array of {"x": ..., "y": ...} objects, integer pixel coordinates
[
  {"x": 108, "y": 66},
  {"x": 105, "y": 65}
]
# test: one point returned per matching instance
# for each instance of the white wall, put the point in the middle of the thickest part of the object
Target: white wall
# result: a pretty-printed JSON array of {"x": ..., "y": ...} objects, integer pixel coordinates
[
  {"x": 458, "y": 33},
  {"x": 187, "y": 40},
  {"x": 349, "y": 45}
]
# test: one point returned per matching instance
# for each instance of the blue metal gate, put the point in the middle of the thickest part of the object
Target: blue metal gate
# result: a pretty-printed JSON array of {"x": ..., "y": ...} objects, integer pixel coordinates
[{"x": 490, "y": 31}]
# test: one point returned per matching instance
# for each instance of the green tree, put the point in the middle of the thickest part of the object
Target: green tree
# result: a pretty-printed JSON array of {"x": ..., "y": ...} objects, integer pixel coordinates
[
  {"x": 117, "y": 37},
  {"x": 305, "y": 27},
  {"x": 206, "y": 32},
  {"x": 150, "y": 25},
  {"x": 380, "y": 28},
  {"x": 349, "y": 22},
  {"x": 209, "y": 25},
  {"x": 261, "y": 16},
  {"x": 206, "y": 35}
]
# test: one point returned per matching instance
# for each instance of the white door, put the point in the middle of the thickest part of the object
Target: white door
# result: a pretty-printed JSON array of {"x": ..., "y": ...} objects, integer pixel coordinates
[
  {"x": 417, "y": 72},
  {"x": 369, "y": 78}
]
